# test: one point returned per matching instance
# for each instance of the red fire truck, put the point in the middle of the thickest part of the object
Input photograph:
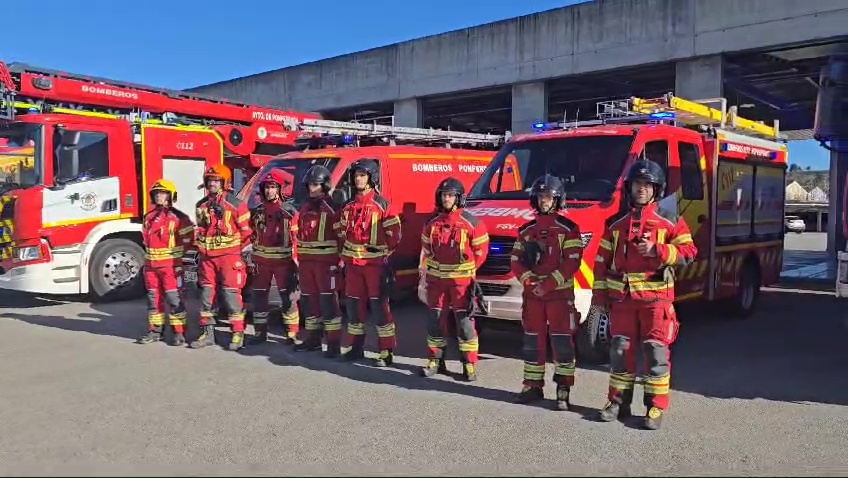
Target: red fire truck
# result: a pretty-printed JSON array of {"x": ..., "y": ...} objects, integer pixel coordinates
[
  {"x": 725, "y": 177},
  {"x": 69, "y": 215}
]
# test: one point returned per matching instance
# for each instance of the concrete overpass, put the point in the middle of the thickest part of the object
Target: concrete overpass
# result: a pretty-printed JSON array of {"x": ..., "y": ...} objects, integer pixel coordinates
[{"x": 763, "y": 55}]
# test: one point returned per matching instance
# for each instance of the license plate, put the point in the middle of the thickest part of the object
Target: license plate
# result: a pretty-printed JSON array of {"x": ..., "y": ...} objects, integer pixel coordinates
[{"x": 190, "y": 276}]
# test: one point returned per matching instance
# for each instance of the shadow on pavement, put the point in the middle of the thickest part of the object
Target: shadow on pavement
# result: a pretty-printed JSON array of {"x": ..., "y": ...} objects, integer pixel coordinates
[
  {"x": 23, "y": 300},
  {"x": 791, "y": 350}
]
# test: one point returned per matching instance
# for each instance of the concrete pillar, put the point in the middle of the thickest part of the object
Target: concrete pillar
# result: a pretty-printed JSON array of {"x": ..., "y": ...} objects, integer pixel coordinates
[
  {"x": 529, "y": 105},
  {"x": 408, "y": 113},
  {"x": 838, "y": 169},
  {"x": 819, "y": 221},
  {"x": 700, "y": 78}
]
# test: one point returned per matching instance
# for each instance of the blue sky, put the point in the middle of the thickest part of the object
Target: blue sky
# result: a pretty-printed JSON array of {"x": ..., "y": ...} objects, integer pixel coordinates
[{"x": 183, "y": 43}]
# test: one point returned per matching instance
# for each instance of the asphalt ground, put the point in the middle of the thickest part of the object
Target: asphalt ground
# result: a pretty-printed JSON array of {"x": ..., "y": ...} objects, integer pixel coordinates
[{"x": 762, "y": 396}]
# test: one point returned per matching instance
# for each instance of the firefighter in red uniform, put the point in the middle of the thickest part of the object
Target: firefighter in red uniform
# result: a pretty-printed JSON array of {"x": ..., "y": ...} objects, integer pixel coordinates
[
  {"x": 454, "y": 245},
  {"x": 370, "y": 234},
  {"x": 223, "y": 231},
  {"x": 634, "y": 281},
  {"x": 545, "y": 257},
  {"x": 318, "y": 256},
  {"x": 274, "y": 228},
  {"x": 166, "y": 232}
]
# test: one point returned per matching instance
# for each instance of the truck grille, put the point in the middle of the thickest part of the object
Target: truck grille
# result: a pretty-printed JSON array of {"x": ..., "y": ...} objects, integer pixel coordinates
[
  {"x": 497, "y": 263},
  {"x": 494, "y": 289}
]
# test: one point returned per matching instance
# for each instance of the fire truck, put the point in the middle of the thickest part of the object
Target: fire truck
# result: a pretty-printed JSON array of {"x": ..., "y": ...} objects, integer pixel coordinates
[
  {"x": 88, "y": 149},
  {"x": 725, "y": 178}
]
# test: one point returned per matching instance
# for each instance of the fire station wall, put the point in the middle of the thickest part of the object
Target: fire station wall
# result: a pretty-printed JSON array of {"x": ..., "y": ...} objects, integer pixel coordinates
[
  {"x": 700, "y": 78},
  {"x": 593, "y": 36}
]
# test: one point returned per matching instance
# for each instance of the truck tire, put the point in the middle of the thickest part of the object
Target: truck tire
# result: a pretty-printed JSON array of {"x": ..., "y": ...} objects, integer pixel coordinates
[
  {"x": 592, "y": 340},
  {"x": 748, "y": 293},
  {"x": 116, "y": 271}
]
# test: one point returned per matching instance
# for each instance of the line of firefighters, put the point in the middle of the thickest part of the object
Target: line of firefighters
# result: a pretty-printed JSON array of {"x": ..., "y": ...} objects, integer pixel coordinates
[{"x": 634, "y": 279}]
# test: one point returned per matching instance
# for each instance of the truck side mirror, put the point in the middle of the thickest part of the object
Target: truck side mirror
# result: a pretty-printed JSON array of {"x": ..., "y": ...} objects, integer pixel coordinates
[{"x": 339, "y": 196}]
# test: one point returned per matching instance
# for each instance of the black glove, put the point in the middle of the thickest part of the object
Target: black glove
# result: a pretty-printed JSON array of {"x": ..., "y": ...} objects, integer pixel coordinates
[
  {"x": 387, "y": 281},
  {"x": 532, "y": 254},
  {"x": 294, "y": 280},
  {"x": 477, "y": 297}
]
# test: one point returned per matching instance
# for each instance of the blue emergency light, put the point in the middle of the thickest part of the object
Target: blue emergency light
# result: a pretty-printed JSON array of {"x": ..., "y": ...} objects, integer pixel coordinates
[
  {"x": 495, "y": 248},
  {"x": 539, "y": 125},
  {"x": 349, "y": 139},
  {"x": 662, "y": 115}
]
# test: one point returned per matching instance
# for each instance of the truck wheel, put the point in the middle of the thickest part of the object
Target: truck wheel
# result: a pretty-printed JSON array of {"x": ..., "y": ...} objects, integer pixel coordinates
[
  {"x": 748, "y": 293},
  {"x": 115, "y": 273},
  {"x": 592, "y": 340}
]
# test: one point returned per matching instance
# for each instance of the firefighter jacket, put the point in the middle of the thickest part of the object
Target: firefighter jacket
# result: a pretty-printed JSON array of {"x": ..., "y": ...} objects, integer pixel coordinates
[
  {"x": 318, "y": 231},
  {"x": 274, "y": 227},
  {"x": 166, "y": 233},
  {"x": 369, "y": 232},
  {"x": 223, "y": 225},
  {"x": 454, "y": 245},
  {"x": 548, "y": 250},
  {"x": 621, "y": 272}
]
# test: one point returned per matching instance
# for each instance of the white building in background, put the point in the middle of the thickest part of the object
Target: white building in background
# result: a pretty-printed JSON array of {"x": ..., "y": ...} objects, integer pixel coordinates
[
  {"x": 818, "y": 195},
  {"x": 796, "y": 193}
]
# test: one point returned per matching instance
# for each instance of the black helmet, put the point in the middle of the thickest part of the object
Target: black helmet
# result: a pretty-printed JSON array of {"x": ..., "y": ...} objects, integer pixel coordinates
[
  {"x": 450, "y": 185},
  {"x": 648, "y": 171},
  {"x": 548, "y": 184},
  {"x": 368, "y": 166},
  {"x": 317, "y": 174}
]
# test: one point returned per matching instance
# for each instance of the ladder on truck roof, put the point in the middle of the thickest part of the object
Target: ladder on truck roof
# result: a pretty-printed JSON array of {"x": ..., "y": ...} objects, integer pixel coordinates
[
  {"x": 678, "y": 111},
  {"x": 28, "y": 89},
  {"x": 318, "y": 133}
]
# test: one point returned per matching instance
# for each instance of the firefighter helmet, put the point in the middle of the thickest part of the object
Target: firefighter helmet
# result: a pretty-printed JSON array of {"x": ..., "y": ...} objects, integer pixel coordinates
[
  {"x": 548, "y": 184},
  {"x": 648, "y": 171},
  {"x": 165, "y": 186},
  {"x": 317, "y": 174},
  {"x": 219, "y": 172},
  {"x": 450, "y": 185},
  {"x": 369, "y": 167},
  {"x": 282, "y": 179}
]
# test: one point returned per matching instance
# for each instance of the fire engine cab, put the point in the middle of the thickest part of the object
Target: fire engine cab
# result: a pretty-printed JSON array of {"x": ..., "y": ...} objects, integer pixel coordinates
[
  {"x": 725, "y": 178},
  {"x": 83, "y": 152}
]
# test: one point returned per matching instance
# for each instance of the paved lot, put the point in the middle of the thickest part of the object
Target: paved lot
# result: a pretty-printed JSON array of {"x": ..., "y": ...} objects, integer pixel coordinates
[
  {"x": 763, "y": 396},
  {"x": 807, "y": 241}
]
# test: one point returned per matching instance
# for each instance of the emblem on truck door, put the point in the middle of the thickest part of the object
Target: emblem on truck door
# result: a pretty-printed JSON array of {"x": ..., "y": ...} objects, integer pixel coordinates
[{"x": 88, "y": 202}]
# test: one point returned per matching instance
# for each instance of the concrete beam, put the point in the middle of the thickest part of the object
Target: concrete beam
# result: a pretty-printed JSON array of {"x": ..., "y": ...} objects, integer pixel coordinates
[
  {"x": 700, "y": 78},
  {"x": 529, "y": 105},
  {"x": 408, "y": 113},
  {"x": 583, "y": 38}
]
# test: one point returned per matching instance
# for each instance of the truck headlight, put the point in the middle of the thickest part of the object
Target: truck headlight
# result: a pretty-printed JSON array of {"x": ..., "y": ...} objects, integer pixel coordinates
[{"x": 29, "y": 253}]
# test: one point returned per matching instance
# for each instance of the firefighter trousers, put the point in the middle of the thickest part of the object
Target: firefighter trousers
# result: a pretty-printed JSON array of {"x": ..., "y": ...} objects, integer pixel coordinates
[
  {"x": 164, "y": 286},
  {"x": 229, "y": 273},
  {"x": 654, "y": 326},
  {"x": 320, "y": 301},
  {"x": 451, "y": 300},
  {"x": 281, "y": 272},
  {"x": 557, "y": 318},
  {"x": 365, "y": 289}
]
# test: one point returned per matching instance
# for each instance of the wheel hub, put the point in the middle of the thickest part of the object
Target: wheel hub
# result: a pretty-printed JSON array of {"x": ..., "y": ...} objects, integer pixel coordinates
[
  {"x": 603, "y": 329},
  {"x": 120, "y": 268}
]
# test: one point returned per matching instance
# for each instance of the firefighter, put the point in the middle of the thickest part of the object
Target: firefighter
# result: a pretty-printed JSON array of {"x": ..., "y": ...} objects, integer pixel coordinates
[
  {"x": 166, "y": 232},
  {"x": 370, "y": 234},
  {"x": 318, "y": 231},
  {"x": 454, "y": 245},
  {"x": 545, "y": 257},
  {"x": 223, "y": 231},
  {"x": 274, "y": 228},
  {"x": 634, "y": 283}
]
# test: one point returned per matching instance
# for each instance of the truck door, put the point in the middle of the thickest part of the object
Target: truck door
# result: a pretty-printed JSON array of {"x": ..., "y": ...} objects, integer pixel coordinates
[
  {"x": 179, "y": 154},
  {"x": 86, "y": 184},
  {"x": 693, "y": 204}
]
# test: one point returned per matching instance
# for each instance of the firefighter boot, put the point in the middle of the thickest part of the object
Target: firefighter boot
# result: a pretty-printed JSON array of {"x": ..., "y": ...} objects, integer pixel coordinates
[
  {"x": 355, "y": 353},
  {"x": 530, "y": 394},
  {"x": 653, "y": 420},
  {"x": 613, "y": 411},
  {"x": 207, "y": 337},
  {"x": 562, "y": 398},
  {"x": 385, "y": 359},
  {"x": 178, "y": 338},
  {"x": 153, "y": 335},
  {"x": 260, "y": 334},
  {"x": 237, "y": 341},
  {"x": 433, "y": 367},
  {"x": 469, "y": 372},
  {"x": 333, "y": 350},
  {"x": 311, "y": 344}
]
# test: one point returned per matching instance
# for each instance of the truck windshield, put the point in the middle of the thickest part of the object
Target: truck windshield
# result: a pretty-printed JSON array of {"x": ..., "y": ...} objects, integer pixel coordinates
[
  {"x": 589, "y": 166},
  {"x": 20, "y": 156},
  {"x": 296, "y": 167}
]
